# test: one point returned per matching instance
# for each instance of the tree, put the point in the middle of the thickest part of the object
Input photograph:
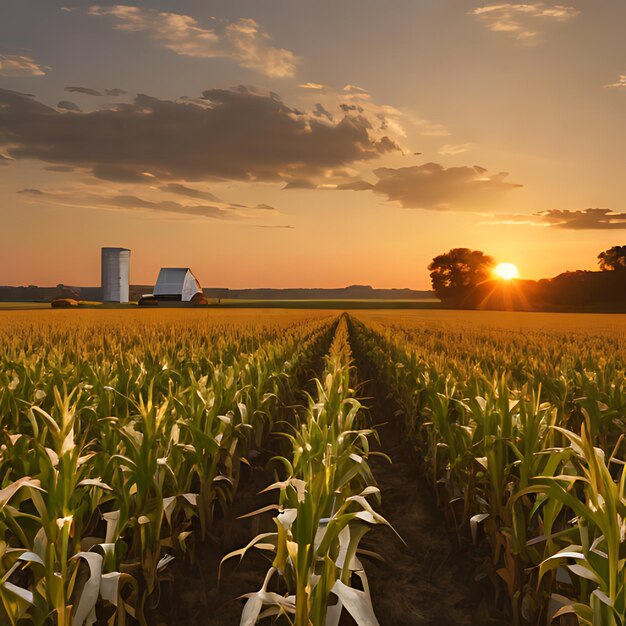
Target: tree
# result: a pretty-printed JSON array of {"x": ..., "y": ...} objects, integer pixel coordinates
[
  {"x": 455, "y": 273},
  {"x": 613, "y": 259}
]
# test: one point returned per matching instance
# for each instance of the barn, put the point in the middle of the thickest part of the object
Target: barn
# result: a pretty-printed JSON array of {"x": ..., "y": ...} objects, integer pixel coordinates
[{"x": 177, "y": 284}]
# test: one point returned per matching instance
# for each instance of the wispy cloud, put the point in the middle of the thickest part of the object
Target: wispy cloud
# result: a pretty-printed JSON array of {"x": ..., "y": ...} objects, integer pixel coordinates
[
  {"x": 19, "y": 65},
  {"x": 523, "y": 20},
  {"x": 183, "y": 190},
  {"x": 242, "y": 40},
  {"x": 620, "y": 84},
  {"x": 84, "y": 90},
  {"x": 315, "y": 86},
  {"x": 450, "y": 149},
  {"x": 588, "y": 219},
  {"x": 113, "y": 199}
]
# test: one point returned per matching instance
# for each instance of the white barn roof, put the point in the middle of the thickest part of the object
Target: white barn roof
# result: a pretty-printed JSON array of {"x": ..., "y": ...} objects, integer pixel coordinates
[{"x": 177, "y": 282}]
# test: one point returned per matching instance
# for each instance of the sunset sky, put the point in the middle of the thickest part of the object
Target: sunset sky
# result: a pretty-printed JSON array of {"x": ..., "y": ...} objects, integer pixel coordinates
[{"x": 309, "y": 143}]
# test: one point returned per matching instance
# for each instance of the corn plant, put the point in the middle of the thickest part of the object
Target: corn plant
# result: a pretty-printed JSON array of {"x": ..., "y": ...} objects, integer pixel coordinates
[{"x": 324, "y": 508}]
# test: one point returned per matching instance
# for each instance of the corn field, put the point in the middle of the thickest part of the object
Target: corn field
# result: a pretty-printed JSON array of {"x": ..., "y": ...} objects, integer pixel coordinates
[{"x": 125, "y": 438}]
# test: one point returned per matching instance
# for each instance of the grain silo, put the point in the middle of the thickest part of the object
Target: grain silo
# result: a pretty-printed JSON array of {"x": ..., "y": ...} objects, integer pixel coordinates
[{"x": 115, "y": 274}]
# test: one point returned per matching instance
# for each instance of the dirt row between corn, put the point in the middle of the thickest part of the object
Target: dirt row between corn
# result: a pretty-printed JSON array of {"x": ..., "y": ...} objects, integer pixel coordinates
[{"x": 428, "y": 579}]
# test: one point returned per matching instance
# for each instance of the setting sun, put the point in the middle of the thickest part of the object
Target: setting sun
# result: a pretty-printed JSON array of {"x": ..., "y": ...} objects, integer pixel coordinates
[{"x": 506, "y": 271}]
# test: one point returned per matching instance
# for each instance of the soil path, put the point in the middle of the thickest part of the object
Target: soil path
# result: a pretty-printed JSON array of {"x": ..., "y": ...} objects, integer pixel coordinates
[{"x": 428, "y": 580}]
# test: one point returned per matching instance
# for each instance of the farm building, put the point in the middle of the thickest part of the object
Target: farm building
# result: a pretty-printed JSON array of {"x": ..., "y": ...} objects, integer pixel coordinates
[
  {"x": 115, "y": 274},
  {"x": 177, "y": 284}
]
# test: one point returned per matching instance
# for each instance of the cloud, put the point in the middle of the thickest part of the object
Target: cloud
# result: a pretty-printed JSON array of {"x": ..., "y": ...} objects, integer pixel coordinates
[
  {"x": 235, "y": 134},
  {"x": 84, "y": 90},
  {"x": 321, "y": 111},
  {"x": 169, "y": 206},
  {"x": 263, "y": 207},
  {"x": 88, "y": 91},
  {"x": 30, "y": 191},
  {"x": 241, "y": 40},
  {"x": 449, "y": 149},
  {"x": 620, "y": 84},
  {"x": 68, "y": 106},
  {"x": 432, "y": 186},
  {"x": 314, "y": 86},
  {"x": 18, "y": 66},
  {"x": 429, "y": 186},
  {"x": 355, "y": 100},
  {"x": 354, "y": 89},
  {"x": 588, "y": 219},
  {"x": 300, "y": 183},
  {"x": 129, "y": 201},
  {"x": 59, "y": 168},
  {"x": 355, "y": 185},
  {"x": 183, "y": 190},
  {"x": 522, "y": 20}
]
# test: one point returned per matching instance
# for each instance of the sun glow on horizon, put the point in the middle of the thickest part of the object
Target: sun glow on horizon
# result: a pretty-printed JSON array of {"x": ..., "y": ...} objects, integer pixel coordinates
[{"x": 506, "y": 271}]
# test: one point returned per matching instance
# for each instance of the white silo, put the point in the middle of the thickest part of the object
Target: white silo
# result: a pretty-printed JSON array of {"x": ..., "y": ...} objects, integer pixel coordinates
[{"x": 115, "y": 274}]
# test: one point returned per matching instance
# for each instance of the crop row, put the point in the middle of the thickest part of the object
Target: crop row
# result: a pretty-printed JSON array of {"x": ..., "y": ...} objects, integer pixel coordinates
[
  {"x": 325, "y": 507},
  {"x": 119, "y": 450},
  {"x": 522, "y": 437}
]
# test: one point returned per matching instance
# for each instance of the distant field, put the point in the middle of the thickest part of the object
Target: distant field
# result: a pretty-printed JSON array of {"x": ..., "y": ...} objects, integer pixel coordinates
[
  {"x": 328, "y": 304},
  {"x": 256, "y": 304},
  {"x": 501, "y": 320}
]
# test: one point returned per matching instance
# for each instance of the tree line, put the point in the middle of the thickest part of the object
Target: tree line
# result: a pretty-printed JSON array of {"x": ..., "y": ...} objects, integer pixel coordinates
[{"x": 464, "y": 278}]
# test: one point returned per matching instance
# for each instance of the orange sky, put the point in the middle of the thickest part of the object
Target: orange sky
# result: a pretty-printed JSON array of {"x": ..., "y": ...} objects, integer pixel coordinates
[{"x": 137, "y": 135}]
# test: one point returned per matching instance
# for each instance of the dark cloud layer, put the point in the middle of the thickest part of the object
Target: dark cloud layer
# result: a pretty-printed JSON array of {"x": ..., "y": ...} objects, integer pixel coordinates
[
  {"x": 68, "y": 106},
  {"x": 229, "y": 134},
  {"x": 84, "y": 90}
]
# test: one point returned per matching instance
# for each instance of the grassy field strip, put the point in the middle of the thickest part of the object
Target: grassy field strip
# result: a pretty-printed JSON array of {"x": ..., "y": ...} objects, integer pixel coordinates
[
  {"x": 324, "y": 509},
  {"x": 522, "y": 438},
  {"x": 114, "y": 457}
]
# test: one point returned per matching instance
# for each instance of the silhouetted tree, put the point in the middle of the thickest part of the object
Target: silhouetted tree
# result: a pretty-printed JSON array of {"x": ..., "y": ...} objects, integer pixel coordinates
[
  {"x": 613, "y": 259},
  {"x": 455, "y": 273}
]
